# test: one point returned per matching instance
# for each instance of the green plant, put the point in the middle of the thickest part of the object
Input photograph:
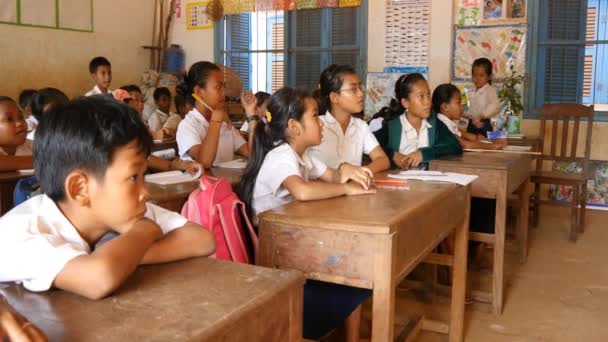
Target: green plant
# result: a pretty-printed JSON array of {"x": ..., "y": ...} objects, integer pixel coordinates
[{"x": 509, "y": 93}]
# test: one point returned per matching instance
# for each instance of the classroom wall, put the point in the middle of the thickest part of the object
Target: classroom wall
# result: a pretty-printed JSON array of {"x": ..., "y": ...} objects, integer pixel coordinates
[
  {"x": 198, "y": 44},
  {"x": 39, "y": 57}
]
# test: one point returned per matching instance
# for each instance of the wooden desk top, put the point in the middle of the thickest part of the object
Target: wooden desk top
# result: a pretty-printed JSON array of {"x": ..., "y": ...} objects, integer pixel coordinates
[
  {"x": 381, "y": 213},
  {"x": 189, "y": 300},
  {"x": 165, "y": 193},
  {"x": 164, "y": 145},
  {"x": 12, "y": 176},
  {"x": 481, "y": 160}
]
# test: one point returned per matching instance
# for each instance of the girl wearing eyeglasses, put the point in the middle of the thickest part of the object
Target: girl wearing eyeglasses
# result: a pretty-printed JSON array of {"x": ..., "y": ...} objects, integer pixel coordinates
[{"x": 346, "y": 139}]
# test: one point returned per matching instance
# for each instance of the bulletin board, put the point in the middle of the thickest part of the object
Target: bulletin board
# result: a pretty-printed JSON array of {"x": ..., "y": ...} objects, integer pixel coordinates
[
  {"x": 74, "y": 15},
  {"x": 503, "y": 45},
  {"x": 380, "y": 86},
  {"x": 490, "y": 12},
  {"x": 196, "y": 16}
]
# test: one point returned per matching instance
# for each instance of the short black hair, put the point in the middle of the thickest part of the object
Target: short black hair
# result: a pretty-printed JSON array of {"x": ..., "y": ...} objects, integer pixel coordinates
[
  {"x": 158, "y": 92},
  {"x": 97, "y": 62},
  {"x": 46, "y": 100},
  {"x": 181, "y": 100},
  {"x": 483, "y": 62},
  {"x": 25, "y": 97},
  {"x": 84, "y": 134},
  {"x": 131, "y": 88},
  {"x": 443, "y": 94},
  {"x": 7, "y": 99}
]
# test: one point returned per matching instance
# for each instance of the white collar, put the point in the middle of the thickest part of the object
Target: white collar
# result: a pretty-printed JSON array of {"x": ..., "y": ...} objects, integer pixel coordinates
[
  {"x": 407, "y": 126},
  {"x": 483, "y": 89}
]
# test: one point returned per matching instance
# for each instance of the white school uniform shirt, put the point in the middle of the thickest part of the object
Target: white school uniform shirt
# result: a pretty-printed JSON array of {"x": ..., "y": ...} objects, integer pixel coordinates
[
  {"x": 32, "y": 123},
  {"x": 483, "y": 101},
  {"x": 24, "y": 149},
  {"x": 157, "y": 120},
  {"x": 37, "y": 241},
  {"x": 97, "y": 91},
  {"x": 338, "y": 147},
  {"x": 451, "y": 125},
  {"x": 193, "y": 129},
  {"x": 280, "y": 163},
  {"x": 173, "y": 121},
  {"x": 411, "y": 140}
]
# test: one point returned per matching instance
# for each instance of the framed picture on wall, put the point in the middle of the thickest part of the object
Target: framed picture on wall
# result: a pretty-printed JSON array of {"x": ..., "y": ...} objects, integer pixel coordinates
[{"x": 497, "y": 12}]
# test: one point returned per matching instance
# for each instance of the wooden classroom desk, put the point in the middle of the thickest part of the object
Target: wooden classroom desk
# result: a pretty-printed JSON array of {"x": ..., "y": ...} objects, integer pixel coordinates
[
  {"x": 173, "y": 197},
  {"x": 527, "y": 141},
  {"x": 8, "y": 180},
  {"x": 165, "y": 144},
  {"x": 500, "y": 174},
  {"x": 199, "y": 299},
  {"x": 372, "y": 241}
]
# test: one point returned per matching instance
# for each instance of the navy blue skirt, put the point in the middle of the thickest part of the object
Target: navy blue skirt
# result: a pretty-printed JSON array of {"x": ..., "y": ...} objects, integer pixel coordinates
[{"x": 327, "y": 305}]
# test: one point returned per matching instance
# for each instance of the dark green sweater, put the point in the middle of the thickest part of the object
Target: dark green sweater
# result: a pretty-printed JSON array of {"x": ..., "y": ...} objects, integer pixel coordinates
[{"x": 441, "y": 141}]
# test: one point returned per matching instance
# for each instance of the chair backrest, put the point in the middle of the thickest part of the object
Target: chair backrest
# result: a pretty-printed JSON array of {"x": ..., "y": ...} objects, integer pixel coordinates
[{"x": 565, "y": 112}]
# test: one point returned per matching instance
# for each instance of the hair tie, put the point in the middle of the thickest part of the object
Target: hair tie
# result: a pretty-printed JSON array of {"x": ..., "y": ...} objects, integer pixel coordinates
[{"x": 268, "y": 117}]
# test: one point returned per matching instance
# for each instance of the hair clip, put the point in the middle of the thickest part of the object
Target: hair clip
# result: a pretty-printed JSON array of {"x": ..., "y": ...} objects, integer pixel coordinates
[{"x": 268, "y": 117}]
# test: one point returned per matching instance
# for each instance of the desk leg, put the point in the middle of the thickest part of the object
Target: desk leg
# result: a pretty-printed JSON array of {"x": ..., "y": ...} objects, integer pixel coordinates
[
  {"x": 522, "y": 220},
  {"x": 459, "y": 276},
  {"x": 499, "y": 245},
  {"x": 383, "y": 311}
]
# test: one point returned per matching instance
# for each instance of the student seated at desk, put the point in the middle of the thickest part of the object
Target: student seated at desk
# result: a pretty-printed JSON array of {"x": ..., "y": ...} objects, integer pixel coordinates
[
  {"x": 447, "y": 104},
  {"x": 131, "y": 95},
  {"x": 91, "y": 157},
  {"x": 44, "y": 101},
  {"x": 414, "y": 135},
  {"x": 101, "y": 73},
  {"x": 280, "y": 171},
  {"x": 15, "y": 149},
  {"x": 345, "y": 138},
  {"x": 206, "y": 133},
  {"x": 25, "y": 98},
  {"x": 159, "y": 119}
]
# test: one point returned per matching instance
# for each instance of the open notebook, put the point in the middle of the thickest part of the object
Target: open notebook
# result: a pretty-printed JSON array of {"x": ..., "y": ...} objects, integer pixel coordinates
[
  {"x": 233, "y": 164},
  {"x": 172, "y": 177},
  {"x": 437, "y": 176}
]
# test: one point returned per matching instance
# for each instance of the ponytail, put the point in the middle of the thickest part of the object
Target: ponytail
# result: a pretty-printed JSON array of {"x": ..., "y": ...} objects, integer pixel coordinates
[
  {"x": 286, "y": 104},
  {"x": 197, "y": 75}
]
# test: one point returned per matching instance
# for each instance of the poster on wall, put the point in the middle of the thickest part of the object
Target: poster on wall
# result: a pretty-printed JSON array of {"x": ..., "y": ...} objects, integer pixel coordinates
[
  {"x": 196, "y": 16},
  {"x": 467, "y": 12},
  {"x": 407, "y": 33},
  {"x": 380, "y": 87},
  {"x": 597, "y": 186},
  {"x": 503, "y": 45}
]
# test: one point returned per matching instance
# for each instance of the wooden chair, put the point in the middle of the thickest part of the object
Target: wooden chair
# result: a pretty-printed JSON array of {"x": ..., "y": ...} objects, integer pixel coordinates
[{"x": 564, "y": 112}]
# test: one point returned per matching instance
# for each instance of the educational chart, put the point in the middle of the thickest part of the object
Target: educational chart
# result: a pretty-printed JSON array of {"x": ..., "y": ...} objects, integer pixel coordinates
[
  {"x": 407, "y": 33},
  {"x": 503, "y": 45},
  {"x": 381, "y": 87},
  {"x": 467, "y": 13},
  {"x": 597, "y": 186},
  {"x": 196, "y": 16}
]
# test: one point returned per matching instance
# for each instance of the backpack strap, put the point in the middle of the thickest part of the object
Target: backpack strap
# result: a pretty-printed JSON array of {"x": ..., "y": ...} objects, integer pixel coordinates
[{"x": 252, "y": 233}]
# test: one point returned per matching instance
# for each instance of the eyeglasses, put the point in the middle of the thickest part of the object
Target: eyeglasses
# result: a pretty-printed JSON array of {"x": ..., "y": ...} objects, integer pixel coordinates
[{"x": 354, "y": 89}]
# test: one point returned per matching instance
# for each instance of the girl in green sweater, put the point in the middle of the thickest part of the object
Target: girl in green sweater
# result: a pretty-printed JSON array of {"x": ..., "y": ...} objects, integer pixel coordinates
[{"x": 411, "y": 134}]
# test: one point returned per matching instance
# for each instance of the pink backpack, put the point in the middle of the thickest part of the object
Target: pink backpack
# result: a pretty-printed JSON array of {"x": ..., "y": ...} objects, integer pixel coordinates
[{"x": 217, "y": 208}]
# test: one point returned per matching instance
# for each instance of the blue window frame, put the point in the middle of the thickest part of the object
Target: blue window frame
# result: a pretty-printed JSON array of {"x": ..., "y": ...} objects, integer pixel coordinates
[
  {"x": 273, "y": 49},
  {"x": 568, "y": 54}
]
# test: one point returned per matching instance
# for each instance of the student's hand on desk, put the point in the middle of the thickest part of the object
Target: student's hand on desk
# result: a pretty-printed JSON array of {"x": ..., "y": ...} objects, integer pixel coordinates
[
  {"x": 186, "y": 165},
  {"x": 360, "y": 175},
  {"x": 413, "y": 159},
  {"x": 400, "y": 160},
  {"x": 15, "y": 328},
  {"x": 353, "y": 189},
  {"x": 142, "y": 224},
  {"x": 168, "y": 133},
  {"x": 248, "y": 103}
]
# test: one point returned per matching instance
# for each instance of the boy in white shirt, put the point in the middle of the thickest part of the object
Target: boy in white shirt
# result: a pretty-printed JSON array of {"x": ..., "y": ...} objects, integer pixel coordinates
[
  {"x": 162, "y": 99},
  {"x": 90, "y": 157},
  {"x": 484, "y": 102},
  {"x": 101, "y": 72}
]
